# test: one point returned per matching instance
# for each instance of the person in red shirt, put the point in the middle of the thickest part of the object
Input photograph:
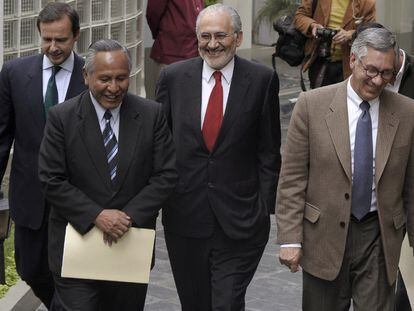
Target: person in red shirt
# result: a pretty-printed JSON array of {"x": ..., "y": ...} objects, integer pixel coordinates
[{"x": 172, "y": 24}]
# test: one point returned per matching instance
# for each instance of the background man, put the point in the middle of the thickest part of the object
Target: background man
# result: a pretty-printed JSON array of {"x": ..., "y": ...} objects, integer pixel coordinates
[
  {"x": 347, "y": 183},
  {"x": 28, "y": 87},
  {"x": 224, "y": 115},
  {"x": 342, "y": 15},
  {"x": 107, "y": 160},
  {"x": 172, "y": 25}
]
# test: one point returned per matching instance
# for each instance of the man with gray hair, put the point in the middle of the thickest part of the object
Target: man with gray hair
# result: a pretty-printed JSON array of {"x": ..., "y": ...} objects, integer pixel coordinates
[
  {"x": 224, "y": 114},
  {"x": 107, "y": 160},
  {"x": 347, "y": 183}
]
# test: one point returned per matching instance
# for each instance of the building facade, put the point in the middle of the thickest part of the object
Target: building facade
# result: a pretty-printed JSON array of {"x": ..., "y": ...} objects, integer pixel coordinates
[{"x": 121, "y": 20}]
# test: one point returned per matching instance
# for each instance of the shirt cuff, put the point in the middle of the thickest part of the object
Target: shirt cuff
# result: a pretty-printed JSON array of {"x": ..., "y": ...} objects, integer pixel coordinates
[{"x": 292, "y": 245}]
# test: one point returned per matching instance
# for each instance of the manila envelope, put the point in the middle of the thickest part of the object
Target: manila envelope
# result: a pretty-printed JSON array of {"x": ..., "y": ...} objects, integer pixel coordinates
[{"x": 88, "y": 257}]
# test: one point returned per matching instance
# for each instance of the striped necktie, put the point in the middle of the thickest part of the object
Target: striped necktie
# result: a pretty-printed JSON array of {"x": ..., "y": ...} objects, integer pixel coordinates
[
  {"x": 111, "y": 146},
  {"x": 51, "y": 96}
]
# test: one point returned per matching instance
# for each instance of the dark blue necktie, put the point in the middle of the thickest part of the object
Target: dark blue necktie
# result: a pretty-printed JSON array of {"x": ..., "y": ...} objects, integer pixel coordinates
[
  {"x": 111, "y": 146},
  {"x": 363, "y": 169}
]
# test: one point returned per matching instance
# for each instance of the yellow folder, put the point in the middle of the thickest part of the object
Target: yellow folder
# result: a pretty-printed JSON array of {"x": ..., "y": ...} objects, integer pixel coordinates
[{"x": 88, "y": 257}]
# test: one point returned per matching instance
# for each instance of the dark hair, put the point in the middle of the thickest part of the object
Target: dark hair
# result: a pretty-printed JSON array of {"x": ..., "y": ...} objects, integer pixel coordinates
[
  {"x": 104, "y": 45},
  {"x": 54, "y": 11},
  {"x": 365, "y": 26}
]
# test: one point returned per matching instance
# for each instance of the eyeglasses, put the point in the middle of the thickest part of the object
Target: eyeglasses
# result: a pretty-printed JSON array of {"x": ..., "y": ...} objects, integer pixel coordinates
[
  {"x": 372, "y": 72},
  {"x": 218, "y": 36}
]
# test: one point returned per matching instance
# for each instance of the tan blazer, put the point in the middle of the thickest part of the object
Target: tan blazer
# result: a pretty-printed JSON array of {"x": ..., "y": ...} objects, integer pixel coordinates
[{"x": 314, "y": 194}]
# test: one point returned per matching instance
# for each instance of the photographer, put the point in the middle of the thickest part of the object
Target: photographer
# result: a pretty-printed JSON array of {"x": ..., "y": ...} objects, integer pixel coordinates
[{"x": 330, "y": 31}]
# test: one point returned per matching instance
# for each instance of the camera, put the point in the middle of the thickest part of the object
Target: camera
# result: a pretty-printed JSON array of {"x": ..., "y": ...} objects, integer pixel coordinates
[{"x": 326, "y": 35}]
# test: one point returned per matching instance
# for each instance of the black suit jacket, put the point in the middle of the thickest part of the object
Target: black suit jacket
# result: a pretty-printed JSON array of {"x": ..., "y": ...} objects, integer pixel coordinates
[
  {"x": 236, "y": 183},
  {"x": 74, "y": 171},
  {"x": 407, "y": 82},
  {"x": 22, "y": 121}
]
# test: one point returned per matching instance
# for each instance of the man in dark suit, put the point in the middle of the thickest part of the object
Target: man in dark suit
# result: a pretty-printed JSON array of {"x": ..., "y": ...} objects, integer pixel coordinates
[
  {"x": 224, "y": 115},
  {"x": 107, "y": 160},
  {"x": 24, "y": 100}
]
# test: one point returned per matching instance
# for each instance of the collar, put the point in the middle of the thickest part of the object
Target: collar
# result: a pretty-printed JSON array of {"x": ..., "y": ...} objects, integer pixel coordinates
[
  {"x": 226, "y": 71},
  {"x": 100, "y": 111},
  {"x": 354, "y": 97},
  {"x": 68, "y": 64}
]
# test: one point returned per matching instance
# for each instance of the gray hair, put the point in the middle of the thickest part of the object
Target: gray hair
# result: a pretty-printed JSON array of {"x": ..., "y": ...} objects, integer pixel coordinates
[
  {"x": 380, "y": 39},
  {"x": 234, "y": 16},
  {"x": 104, "y": 45}
]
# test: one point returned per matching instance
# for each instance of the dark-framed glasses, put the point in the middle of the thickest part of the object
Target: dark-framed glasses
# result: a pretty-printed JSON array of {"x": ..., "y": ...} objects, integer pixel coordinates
[
  {"x": 218, "y": 36},
  {"x": 372, "y": 72}
]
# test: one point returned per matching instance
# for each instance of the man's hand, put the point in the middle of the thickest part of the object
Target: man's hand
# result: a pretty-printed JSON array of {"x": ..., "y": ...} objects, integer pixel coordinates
[
  {"x": 114, "y": 223},
  {"x": 342, "y": 36},
  {"x": 315, "y": 26},
  {"x": 290, "y": 257}
]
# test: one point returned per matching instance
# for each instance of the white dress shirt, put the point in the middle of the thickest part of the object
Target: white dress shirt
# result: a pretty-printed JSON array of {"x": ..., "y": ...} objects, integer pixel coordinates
[
  {"x": 397, "y": 83},
  {"x": 62, "y": 77},
  {"x": 353, "y": 102},
  {"x": 208, "y": 83},
  {"x": 100, "y": 111}
]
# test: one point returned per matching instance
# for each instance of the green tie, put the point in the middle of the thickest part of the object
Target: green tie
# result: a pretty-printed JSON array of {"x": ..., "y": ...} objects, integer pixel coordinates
[{"x": 51, "y": 97}]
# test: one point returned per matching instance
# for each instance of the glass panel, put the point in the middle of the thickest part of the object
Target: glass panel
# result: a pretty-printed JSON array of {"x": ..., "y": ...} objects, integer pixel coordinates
[
  {"x": 131, "y": 31},
  {"x": 27, "y": 31},
  {"x": 30, "y": 52},
  {"x": 27, "y": 6},
  {"x": 117, "y": 8},
  {"x": 130, "y": 6},
  {"x": 118, "y": 31},
  {"x": 99, "y": 33},
  {"x": 9, "y": 7},
  {"x": 82, "y": 8},
  {"x": 99, "y": 10},
  {"x": 83, "y": 41},
  {"x": 132, "y": 85},
  {"x": 139, "y": 55},
  {"x": 10, "y": 56},
  {"x": 133, "y": 51},
  {"x": 9, "y": 34}
]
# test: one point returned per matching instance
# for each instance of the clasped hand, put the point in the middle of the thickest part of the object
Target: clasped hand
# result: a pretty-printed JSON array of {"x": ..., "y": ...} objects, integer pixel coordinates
[
  {"x": 290, "y": 257},
  {"x": 114, "y": 224}
]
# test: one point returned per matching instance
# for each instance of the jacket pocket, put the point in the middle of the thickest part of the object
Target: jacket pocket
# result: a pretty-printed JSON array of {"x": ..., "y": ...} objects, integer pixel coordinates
[{"x": 312, "y": 213}]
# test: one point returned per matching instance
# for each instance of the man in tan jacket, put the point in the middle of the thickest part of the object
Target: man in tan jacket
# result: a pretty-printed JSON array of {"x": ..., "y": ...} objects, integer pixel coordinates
[{"x": 347, "y": 183}]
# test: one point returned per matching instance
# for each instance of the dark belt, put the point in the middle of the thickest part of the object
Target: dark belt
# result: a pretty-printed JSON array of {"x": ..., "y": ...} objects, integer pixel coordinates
[{"x": 365, "y": 218}]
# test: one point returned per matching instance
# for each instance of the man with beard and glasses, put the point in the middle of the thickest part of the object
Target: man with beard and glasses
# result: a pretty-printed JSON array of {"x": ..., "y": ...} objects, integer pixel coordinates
[
  {"x": 224, "y": 115},
  {"x": 29, "y": 86}
]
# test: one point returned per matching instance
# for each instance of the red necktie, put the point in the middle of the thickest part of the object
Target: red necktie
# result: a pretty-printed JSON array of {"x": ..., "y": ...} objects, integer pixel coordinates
[{"x": 214, "y": 113}]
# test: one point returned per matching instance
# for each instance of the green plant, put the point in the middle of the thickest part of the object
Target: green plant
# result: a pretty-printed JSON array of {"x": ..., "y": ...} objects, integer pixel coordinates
[
  {"x": 271, "y": 10},
  {"x": 11, "y": 274},
  {"x": 210, "y": 2}
]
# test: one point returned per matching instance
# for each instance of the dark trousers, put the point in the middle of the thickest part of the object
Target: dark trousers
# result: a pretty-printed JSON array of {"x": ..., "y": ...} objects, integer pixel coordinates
[
  {"x": 32, "y": 261},
  {"x": 92, "y": 295},
  {"x": 402, "y": 303},
  {"x": 213, "y": 273},
  {"x": 362, "y": 278},
  {"x": 323, "y": 72}
]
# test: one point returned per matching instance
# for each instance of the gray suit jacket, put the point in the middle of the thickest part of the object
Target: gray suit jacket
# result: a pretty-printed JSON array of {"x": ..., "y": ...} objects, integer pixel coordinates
[{"x": 314, "y": 196}]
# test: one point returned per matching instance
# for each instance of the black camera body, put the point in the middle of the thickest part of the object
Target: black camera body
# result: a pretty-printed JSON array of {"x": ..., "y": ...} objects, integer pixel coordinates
[{"x": 326, "y": 35}]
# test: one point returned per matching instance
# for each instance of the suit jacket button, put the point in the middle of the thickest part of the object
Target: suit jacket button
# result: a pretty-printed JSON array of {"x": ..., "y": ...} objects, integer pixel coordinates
[
  {"x": 342, "y": 224},
  {"x": 347, "y": 196},
  {"x": 210, "y": 185}
]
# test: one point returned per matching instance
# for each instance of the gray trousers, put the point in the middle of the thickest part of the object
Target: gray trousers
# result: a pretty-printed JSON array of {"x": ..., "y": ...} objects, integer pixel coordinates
[{"x": 362, "y": 278}]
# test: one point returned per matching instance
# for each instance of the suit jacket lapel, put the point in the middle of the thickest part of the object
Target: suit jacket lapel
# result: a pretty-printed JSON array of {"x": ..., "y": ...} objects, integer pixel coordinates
[
  {"x": 76, "y": 85},
  {"x": 338, "y": 126},
  {"x": 89, "y": 130},
  {"x": 129, "y": 132},
  {"x": 35, "y": 91},
  {"x": 387, "y": 128},
  {"x": 238, "y": 88},
  {"x": 193, "y": 82}
]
